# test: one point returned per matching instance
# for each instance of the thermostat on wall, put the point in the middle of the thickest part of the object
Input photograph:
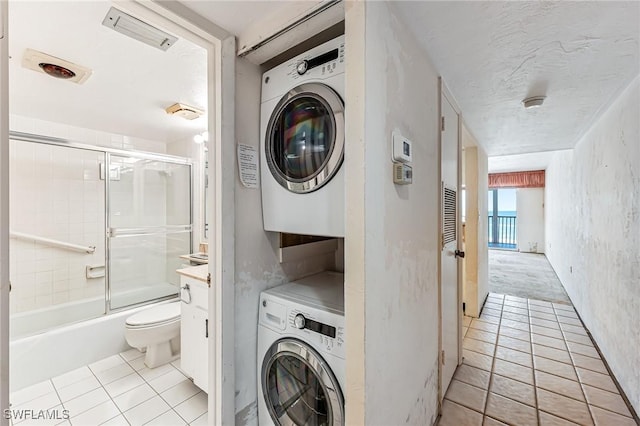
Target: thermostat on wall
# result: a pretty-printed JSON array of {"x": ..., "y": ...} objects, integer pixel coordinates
[{"x": 401, "y": 148}]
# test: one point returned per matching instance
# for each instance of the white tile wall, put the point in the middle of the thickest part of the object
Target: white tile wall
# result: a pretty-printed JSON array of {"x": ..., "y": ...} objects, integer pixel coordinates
[{"x": 55, "y": 193}]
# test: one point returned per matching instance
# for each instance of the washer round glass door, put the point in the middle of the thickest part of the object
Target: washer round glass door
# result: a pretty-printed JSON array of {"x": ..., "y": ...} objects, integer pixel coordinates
[
  {"x": 299, "y": 387},
  {"x": 305, "y": 138}
]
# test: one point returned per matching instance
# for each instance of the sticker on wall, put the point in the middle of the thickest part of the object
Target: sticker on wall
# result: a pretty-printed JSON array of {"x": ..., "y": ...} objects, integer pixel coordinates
[{"x": 248, "y": 165}]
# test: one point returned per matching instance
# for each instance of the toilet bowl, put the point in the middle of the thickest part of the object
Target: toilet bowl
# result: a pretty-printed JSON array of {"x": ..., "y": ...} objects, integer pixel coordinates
[{"x": 156, "y": 331}]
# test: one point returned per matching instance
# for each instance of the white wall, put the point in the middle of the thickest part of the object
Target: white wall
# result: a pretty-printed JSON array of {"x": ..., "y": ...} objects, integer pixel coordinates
[
  {"x": 593, "y": 233},
  {"x": 83, "y": 135},
  {"x": 256, "y": 263},
  {"x": 391, "y": 244},
  {"x": 530, "y": 219}
]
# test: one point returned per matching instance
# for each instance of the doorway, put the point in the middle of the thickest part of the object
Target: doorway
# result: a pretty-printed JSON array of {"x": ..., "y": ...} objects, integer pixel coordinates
[
  {"x": 502, "y": 219},
  {"x": 220, "y": 52}
]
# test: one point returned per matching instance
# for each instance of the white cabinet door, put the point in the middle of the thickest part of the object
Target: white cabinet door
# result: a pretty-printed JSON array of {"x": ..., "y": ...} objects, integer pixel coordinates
[
  {"x": 188, "y": 330},
  {"x": 200, "y": 349},
  {"x": 194, "y": 332}
]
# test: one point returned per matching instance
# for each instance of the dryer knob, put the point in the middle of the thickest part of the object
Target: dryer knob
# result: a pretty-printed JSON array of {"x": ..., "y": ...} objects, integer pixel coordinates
[
  {"x": 302, "y": 67},
  {"x": 299, "y": 321}
]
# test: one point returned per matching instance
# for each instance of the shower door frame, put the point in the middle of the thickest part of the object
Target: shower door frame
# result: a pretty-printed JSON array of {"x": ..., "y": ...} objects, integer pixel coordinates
[
  {"x": 66, "y": 143},
  {"x": 5, "y": 285}
]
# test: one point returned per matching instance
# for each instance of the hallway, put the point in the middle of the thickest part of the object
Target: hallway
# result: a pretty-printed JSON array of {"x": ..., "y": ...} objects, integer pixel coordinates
[
  {"x": 526, "y": 275},
  {"x": 531, "y": 362}
]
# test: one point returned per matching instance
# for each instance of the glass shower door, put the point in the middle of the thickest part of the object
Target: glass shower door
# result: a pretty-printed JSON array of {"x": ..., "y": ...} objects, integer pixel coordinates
[{"x": 149, "y": 227}]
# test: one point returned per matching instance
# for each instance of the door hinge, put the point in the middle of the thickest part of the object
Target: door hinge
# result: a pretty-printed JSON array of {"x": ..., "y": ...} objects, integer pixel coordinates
[
  {"x": 442, "y": 356},
  {"x": 442, "y": 123},
  {"x": 464, "y": 307},
  {"x": 441, "y": 241},
  {"x": 206, "y": 328},
  {"x": 209, "y": 279},
  {"x": 2, "y": 11}
]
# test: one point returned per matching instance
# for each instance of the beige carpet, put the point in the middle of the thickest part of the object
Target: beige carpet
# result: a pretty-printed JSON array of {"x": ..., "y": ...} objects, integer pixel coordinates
[{"x": 527, "y": 275}]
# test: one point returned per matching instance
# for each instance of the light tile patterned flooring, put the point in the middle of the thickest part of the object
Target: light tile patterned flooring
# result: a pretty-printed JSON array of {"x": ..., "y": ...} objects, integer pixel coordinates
[
  {"x": 529, "y": 362},
  {"x": 119, "y": 390}
]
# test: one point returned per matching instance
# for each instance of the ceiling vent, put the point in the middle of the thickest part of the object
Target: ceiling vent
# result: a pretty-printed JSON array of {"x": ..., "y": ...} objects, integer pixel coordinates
[
  {"x": 185, "y": 111},
  {"x": 137, "y": 29},
  {"x": 55, "y": 67}
]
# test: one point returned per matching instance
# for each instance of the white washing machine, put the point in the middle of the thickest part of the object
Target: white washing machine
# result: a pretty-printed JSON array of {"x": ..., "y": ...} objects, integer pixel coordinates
[
  {"x": 301, "y": 352},
  {"x": 302, "y": 143}
]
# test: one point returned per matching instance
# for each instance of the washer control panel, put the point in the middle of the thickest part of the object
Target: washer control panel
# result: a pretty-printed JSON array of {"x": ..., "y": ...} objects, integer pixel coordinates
[{"x": 329, "y": 335}]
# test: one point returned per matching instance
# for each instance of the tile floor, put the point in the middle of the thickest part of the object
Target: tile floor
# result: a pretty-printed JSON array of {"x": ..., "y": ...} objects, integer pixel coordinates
[
  {"x": 529, "y": 362},
  {"x": 119, "y": 390}
]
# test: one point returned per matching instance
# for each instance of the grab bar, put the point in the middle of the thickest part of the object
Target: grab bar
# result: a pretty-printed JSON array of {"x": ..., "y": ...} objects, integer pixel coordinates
[
  {"x": 52, "y": 242},
  {"x": 148, "y": 230}
]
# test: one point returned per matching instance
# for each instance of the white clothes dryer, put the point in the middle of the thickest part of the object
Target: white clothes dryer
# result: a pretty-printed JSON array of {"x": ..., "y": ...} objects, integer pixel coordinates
[
  {"x": 301, "y": 352},
  {"x": 302, "y": 143}
]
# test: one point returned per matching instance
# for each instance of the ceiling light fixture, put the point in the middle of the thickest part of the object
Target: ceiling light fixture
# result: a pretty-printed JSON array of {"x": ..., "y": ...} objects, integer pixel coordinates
[
  {"x": 201, "y": 137},
  {"x": 185, "y": 111},
  {"x": 57, "y": 71},
  {"x": 55, "y": 67},
  {"x": 533, "y": 102},
  {"x": 137, "y": 29}
]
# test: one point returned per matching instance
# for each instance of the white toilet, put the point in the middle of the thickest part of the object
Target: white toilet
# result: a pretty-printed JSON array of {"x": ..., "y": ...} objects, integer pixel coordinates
[{"x": 157, "y": 331}]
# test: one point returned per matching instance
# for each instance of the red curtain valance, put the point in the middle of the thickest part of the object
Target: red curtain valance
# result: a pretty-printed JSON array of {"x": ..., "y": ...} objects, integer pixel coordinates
[{"x": 534, "y": 179}]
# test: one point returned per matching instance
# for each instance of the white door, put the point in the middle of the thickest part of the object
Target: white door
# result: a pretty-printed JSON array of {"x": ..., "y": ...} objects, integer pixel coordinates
[
  {"x": 450, "y": 306},
  {"x": 4, "y": 214}
]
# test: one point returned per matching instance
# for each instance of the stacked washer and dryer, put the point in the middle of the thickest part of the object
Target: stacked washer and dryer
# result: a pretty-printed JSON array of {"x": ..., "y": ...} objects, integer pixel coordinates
[{"x": 301, "y": 352}]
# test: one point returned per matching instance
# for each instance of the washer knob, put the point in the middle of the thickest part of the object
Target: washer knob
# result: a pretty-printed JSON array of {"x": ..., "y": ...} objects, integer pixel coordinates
[
  {"x": 302, "y": 68},
  {"x": 299, "y": 320}
]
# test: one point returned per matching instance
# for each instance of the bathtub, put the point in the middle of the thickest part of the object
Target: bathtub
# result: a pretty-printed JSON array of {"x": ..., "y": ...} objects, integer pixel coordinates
[{"x": 58, "y": 350}]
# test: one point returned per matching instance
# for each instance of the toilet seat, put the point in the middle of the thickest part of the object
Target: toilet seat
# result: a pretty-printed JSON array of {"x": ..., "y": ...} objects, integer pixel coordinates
[
  {"x": 153, "y": 325},
  {"x": 156, "y": 316}
]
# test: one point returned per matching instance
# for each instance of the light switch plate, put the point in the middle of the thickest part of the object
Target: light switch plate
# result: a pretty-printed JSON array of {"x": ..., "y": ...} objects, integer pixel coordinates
[{"x": 402, "y": 174}]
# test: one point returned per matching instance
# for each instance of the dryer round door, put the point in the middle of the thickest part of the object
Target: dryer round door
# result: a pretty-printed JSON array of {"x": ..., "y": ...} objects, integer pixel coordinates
[
  {"x": 305, "y": 138},
  {"x": 299, "y": 388}
]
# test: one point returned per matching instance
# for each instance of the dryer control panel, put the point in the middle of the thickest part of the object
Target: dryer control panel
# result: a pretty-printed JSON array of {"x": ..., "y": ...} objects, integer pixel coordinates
[
  {"x": 321, "y": 329},
  {"x": 320, "y": 63},
  {"x": 328, "y": 61},
  {"x": 317, "y": 64}
]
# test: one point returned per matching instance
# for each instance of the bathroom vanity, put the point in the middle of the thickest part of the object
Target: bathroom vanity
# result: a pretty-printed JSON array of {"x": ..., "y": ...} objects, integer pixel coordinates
[{"x": 194, "y": 326}]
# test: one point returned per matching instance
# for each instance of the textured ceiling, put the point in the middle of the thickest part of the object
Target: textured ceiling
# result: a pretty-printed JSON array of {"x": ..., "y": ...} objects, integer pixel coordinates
[
  {"x": 131, "y": 84},
  {"x": 520, "y": 162},
  {"x": 492, "y": 55}
]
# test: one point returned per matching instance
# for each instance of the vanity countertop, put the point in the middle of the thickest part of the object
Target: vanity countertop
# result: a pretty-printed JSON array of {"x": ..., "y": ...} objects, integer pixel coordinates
[
  {"x": 199, "y": 272},
  {"x": 196, "y": 258}
]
